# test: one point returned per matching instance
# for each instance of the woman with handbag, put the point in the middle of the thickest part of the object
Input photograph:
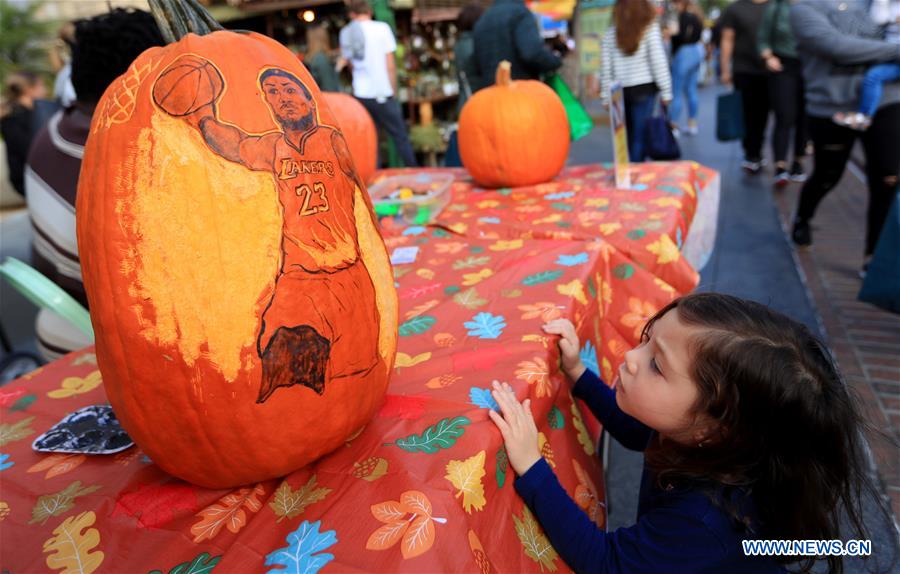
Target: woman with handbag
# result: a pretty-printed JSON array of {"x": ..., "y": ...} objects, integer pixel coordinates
[
  {"x": 633, "y": 54},
  {"x": 687, "y": 55}
]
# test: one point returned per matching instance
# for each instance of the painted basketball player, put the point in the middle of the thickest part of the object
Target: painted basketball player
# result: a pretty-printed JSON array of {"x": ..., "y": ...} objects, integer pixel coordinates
[{"x": 321, "y": 266}]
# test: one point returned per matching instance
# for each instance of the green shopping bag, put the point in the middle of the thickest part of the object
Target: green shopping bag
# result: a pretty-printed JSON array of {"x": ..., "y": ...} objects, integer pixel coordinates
[{"x": 580, "y": 123}]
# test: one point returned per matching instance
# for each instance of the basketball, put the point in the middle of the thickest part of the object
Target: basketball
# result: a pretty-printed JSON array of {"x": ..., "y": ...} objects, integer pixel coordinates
[{"x": 186, "y": 85}]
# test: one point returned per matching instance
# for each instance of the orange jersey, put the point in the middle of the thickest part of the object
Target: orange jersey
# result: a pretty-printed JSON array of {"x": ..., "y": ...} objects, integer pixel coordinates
[{"x": 316, "y": 196}]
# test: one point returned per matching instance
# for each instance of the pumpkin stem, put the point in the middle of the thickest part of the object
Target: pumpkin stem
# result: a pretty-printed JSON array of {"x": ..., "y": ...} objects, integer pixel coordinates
[
  {"x": 504, "y": 74},
  {"x": 178, "y": 18}
]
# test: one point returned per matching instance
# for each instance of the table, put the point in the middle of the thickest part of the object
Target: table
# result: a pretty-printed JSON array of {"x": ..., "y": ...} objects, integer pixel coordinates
[{"x": 425, "y": 486}]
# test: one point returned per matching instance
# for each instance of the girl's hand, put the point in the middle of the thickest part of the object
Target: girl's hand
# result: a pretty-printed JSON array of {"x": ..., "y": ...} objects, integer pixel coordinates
[
  {"x": 517, "y": 427},
  {"x": 568, "y": 347}
]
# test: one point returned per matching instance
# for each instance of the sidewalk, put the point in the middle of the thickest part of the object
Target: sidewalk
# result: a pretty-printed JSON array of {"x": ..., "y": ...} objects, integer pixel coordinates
[{"x": 864, "y": 338}]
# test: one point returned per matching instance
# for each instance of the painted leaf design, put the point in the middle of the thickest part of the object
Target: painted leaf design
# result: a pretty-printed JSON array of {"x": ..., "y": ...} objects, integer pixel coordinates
[
  {"x": 471, "y": 262},
  {"x": 155, "y": 505},
  {"x": 389, "y": 511},
  {"x": 439, "y": 436},
  {"x": 574, "y": 289},
  {"x": 15, "y": 431},
  {"x": 304, "y": 551},
  {"x": 415, "y": 502},
  {"x": 586, "y": 495},
  {"x": 583, "y": 437},
  {"x": 442, "y": 381},
  {"x": 588, "y": 356},
  {"x": 77, "y": 385},
  {"x": 542, "y": 277},
  {"x": 5, "y": 462},
  {"x": 536, "y": 545},
  {"x": 481, "y": 559},
  {"x": 370, "y": 469},
  {"x": 470, "y": 299},
  {"x": 57, "y": 464},
  {"x": 288, "y": 503},
  {"x": 535, "y": 372},
  {"x": 572, "y": 260},
  {"x": 482, "y": 398},
  {"x": 418, "y": 538},
  {"x": 502, "y": 466},
  {"x": 546, "y": 311},
  {"x": 202, "y": 564},
  {"x": 546, "y": 450},
  {"x": 486, "y": 326},
  {"x": 417, "y": 325},
  {"x": 403, "y": 360},
  {"x": 466, "y": 476},
  {"x": 387, "y": 535},
  {"x": 58, "y": 503},
  {"x": 72, "y": 548},
  {"x": 227, "y": 512},
  {"x": 422, "y": 309},
  {"x": 555, "y": 418}
]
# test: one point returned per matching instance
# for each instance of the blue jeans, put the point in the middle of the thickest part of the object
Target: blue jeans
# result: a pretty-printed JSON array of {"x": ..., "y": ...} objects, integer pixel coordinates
[
  {"x": 685, "y": 70},
  {"x": 637, "y": 112},
  {"x": 870, "y": 93},
  {"x": 389, "y": 117}
]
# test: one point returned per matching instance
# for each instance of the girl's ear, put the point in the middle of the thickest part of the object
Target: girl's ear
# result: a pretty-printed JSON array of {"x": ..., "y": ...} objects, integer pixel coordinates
[{"x": 706, "y": 432}]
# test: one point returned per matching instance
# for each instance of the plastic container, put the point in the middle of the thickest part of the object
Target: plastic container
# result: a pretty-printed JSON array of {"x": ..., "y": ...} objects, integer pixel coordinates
[{"x": 414, "y": 199}]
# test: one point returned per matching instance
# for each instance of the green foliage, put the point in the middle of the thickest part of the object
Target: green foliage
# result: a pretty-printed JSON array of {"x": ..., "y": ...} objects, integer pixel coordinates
[{"x": 23, "y": 38}]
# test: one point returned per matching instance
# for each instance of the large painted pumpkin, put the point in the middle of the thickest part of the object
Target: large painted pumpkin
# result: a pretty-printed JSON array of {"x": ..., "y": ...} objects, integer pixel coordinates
[
  {"x": 513, "y": 133},
  {"x": 241, "y": 294},
  {"x": 359, "y": 131}
]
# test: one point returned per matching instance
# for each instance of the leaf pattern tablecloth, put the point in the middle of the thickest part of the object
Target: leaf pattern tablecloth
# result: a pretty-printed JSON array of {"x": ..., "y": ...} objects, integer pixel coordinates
[{"x": 426, "y": 486}]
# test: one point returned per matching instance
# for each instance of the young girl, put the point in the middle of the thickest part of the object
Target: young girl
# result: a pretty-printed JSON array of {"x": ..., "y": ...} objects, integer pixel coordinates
[{"x": 748, "y": 432}]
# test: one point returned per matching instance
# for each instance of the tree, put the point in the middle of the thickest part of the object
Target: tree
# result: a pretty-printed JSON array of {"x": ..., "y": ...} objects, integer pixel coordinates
[{"x": 22, "y": 38}]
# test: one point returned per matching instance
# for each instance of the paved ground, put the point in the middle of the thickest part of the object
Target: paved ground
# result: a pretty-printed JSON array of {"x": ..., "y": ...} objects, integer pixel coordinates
[{"x": 754, "y": 259}]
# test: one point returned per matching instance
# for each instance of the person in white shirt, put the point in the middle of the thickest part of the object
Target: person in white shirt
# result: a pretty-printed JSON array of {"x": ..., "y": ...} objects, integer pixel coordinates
[{"x": 369, "y": 48}]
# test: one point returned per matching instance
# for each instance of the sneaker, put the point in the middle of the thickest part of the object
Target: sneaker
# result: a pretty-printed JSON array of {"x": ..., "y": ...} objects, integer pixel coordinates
[
  {"x": 782, "y": 178},
  {"x": 752, "y": 167},
  {"x": 692, "y": 129},
  {"x": 797, "y": 174},
  {"x": 801, "y": 233}
]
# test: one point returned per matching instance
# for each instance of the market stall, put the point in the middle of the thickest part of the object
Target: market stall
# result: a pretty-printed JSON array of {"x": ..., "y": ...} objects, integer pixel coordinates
[{"x": 425, "y": 485}]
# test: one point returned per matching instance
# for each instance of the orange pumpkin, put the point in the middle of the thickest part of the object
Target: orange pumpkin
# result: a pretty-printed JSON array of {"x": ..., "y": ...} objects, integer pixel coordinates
[
  {"x": 359, "y": 130},
  {"x": 513, "y": 133},
  {"x": 240, "y": 292}
]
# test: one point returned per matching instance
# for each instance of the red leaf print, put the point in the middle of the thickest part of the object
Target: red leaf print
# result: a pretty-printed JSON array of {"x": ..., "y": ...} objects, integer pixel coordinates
[{"x": 155, "y": 505}]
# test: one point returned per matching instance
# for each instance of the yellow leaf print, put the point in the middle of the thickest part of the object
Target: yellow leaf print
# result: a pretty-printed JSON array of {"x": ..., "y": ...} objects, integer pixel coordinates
[
  {"x": 404, "y": 360},
  {"x": 466, "y": 476},
  {"x": 534, "y": 541},
  {"x": 607, "y": 370},
  {"x": 470, "y": 279},
  {"x": 575, "y": 289},
  {"x": 667, "y": 202},
  {"x": 15, "y": 431},
  {"x": 664, "y": 249},
  {"x": 549, "y": 219},
  {"x": 583, "y": 437},
  {"x": 458, "y": 227},
  {"x": 76, "y": 386},
  {"x": 507, "y": 245},
  {"x": 71, "y": 548},
  {"x": 664, "y": 286},
  {"x": 609, "y": 228},
  {"x": 597, "y": 202},
  {"x": 546, "y": 450},
  {"x": 425, "y": 273},
  {"x": 487, "y": 204}
]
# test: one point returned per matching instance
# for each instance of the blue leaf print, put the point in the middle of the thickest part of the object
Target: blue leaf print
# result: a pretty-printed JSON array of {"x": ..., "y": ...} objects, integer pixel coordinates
[
  {"x": 3, "y": 464},
  {"x": 300, "y": 557},
  {"x": 483, "y": 398},
  {"x": 414, "y": 230},
  {"x": 572, "y": 260},
  {"x": 488, "y": 220},
  {"x": 670, "y": 189},
  {"x": 559, "y": 195},
  {"x": 679, "y": 240},
  {"x": 639, "y": 186},
  {"x": 486, "y": 326},
  {"x": 588, "y": 356}
]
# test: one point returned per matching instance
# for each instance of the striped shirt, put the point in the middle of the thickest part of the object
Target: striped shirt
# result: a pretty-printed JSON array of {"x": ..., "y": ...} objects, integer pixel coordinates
[
  {"x": 647, "y": 65},
  {"x": 51, "y": 182}
]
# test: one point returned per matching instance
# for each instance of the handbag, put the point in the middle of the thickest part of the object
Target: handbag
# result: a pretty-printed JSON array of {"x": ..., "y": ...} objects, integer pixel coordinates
[
  {"x": 659, "y": 141},
  {"x": 580, "y": 122},
  {"x": 730, "y": 117}
]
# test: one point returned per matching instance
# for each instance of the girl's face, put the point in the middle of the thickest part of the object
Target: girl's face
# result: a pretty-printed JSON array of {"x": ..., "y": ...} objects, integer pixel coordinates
[{"x": 654, "y": 382}]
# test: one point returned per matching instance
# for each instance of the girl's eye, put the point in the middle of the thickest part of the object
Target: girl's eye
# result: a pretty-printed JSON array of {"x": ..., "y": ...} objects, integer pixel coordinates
[{"x": 654, "y": 366}]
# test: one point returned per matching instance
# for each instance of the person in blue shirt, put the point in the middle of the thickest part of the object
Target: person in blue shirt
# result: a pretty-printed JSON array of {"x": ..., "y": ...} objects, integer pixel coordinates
[{"x": 748, "y": 433}]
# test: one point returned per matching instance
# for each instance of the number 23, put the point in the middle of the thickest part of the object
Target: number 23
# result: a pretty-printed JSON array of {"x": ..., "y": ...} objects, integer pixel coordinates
[{"x": 306, "y": 192}]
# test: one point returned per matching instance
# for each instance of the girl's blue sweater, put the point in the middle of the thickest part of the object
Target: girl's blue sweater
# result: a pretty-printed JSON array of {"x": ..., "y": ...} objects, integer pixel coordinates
[{"x": 677, "y": 530}]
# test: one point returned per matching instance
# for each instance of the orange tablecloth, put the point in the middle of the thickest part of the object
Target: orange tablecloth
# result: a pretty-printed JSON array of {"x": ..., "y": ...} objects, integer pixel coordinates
[{"x": 425, "y": 486}]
